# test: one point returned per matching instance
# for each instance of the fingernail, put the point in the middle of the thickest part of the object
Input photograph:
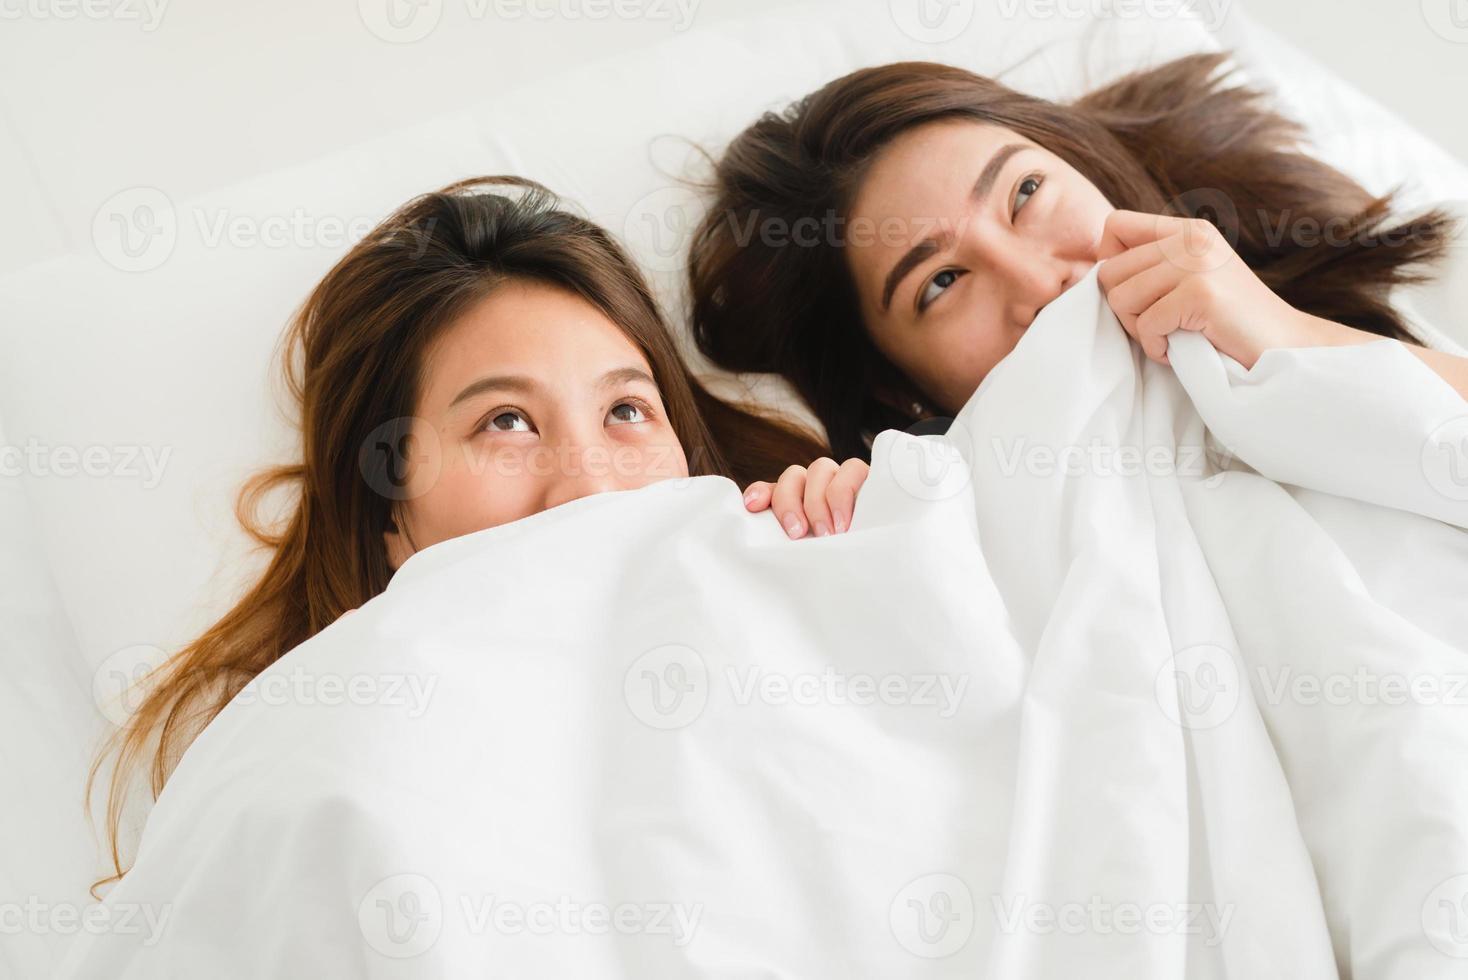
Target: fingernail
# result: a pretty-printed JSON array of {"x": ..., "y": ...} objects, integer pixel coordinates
[
  {"x": 821, "y": 529},
  {"x": 792, "y": 526},
  {"x": 749, "y": 495},
  {"x": 840, "y": 523}
]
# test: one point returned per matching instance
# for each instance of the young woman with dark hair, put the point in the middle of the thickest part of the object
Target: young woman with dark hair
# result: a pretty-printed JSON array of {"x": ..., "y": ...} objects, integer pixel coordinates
[
  {"x": 886, "y": 240},
  {"x": 481, "y": 356}
]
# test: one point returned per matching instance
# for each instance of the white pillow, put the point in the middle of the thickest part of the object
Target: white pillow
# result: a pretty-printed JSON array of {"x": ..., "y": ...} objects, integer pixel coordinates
[
  {"x": 154, "y": 359},
  {"x": 1347, "y": 128},
  {"x": 49, "y": 730}
]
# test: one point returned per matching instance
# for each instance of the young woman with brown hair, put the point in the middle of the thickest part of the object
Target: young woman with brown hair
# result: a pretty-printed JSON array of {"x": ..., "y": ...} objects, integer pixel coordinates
[
  {"x": 481, "y": 356},
  {"x": 886, "y": 240}
]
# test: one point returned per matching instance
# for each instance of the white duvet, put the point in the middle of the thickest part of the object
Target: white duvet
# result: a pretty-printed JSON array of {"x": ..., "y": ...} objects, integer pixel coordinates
[{"x": 1083, "y": 692}]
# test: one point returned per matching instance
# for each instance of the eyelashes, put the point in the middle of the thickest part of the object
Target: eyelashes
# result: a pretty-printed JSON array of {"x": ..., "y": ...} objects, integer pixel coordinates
[
  {"x": 642, "y": 407},
  {"x": 927, "y": 294},
  {"x": 1035, "y": 178},
  {"x": 486, "y": 423}
]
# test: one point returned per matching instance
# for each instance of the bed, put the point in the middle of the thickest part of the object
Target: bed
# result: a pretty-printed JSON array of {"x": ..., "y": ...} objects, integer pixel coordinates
[{"x": 146, "y": 350}]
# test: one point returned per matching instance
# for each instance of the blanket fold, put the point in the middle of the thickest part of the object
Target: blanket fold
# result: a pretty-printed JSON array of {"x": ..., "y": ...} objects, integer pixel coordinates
[{"x": 1107, "y": 681}]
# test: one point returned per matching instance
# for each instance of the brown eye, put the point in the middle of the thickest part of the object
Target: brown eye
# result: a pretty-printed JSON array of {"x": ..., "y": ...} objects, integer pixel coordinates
[
  {"x": 935, "y": 287},
  {"x": 1026, "y": 190},
  {"x": 625, "y": 413},
  {"x": 508, "y": 422}
]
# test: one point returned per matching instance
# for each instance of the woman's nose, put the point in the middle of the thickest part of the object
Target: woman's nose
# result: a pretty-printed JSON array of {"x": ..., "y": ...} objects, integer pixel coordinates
[
  {"x": 581, "y": 470},
  {"x": 1027, "y": 277}
]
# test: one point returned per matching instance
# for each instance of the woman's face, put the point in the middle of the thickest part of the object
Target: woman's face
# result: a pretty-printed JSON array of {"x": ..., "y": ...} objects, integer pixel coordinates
[
  {"x": 973, "y": 228},
  {"x": 531, "y": 399}
]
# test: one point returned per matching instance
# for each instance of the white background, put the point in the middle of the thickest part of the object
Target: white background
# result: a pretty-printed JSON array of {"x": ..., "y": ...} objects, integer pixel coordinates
[{"x": 101, "y": 95}]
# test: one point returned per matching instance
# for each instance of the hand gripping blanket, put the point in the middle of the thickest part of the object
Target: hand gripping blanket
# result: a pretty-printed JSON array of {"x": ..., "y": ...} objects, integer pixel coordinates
[{"x": 1138, "y": 672}]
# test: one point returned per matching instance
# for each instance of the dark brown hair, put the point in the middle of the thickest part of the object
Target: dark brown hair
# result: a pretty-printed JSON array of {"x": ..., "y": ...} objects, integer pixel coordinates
[
  {"x": 352, "y": 359},
  {"x": 1173, "y": 139}
]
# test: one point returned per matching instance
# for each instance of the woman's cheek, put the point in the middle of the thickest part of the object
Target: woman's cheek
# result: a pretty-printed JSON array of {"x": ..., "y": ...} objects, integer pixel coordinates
[
  {"x": 1075, "y": 220},
  {"x": 1096, "y": 209},
  {"x": 678, "y": 460},
  {"x": 656, "y": 456},
  {"x": 484, "y": 487},
  {"x": 961, "y": 357}
]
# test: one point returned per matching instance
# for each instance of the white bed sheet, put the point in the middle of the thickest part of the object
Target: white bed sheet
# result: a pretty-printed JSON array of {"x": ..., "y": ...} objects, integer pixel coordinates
[
  {"x": 1023, "y": 720},
  {"x": 95, "y": 570}
]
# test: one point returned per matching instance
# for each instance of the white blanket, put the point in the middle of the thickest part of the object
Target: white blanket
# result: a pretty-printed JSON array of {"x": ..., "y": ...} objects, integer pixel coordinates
[{"x": 1067, "y": 700}]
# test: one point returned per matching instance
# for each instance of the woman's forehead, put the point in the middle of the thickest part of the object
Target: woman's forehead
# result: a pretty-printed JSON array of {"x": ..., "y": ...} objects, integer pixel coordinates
[{"x": 532, "y": 330}]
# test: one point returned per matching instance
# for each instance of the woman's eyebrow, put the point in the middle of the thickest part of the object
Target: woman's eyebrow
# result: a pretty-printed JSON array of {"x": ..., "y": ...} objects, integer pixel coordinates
[
  {"x": 925, "y": 249},
  {"x": 521, "y": 383},
  {"x": 623, "y": 375},
  {"x": 910, "y": 260},
  {"x": 990, "y": 173}
]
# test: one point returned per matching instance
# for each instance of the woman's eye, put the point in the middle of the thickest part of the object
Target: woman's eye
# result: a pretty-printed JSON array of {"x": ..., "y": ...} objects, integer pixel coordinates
[
  {"x": 509, "y": 422},
  {"x": 1027, "y": 188},
  {"x": 624, "y": 413},
  {"x": 936, "y": 285}
]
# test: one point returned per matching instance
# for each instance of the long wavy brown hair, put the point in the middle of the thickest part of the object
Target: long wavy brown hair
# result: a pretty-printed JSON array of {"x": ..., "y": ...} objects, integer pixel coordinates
[
  {"x": 351, "y": 361},
  {"x": 1175, "y": 139}
]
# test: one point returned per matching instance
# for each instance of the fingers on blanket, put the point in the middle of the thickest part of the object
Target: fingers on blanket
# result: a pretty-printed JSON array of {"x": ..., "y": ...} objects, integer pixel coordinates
[
  {"x": 820, "y": 497},
  {"x": 1150, "y": 262},
  {"x": 1139, "y": 285},
  {"x": 842, "y": 490}
]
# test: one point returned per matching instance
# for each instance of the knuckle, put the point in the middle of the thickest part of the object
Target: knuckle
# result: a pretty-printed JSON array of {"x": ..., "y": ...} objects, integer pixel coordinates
[{"x": 1203, "y": 227}]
